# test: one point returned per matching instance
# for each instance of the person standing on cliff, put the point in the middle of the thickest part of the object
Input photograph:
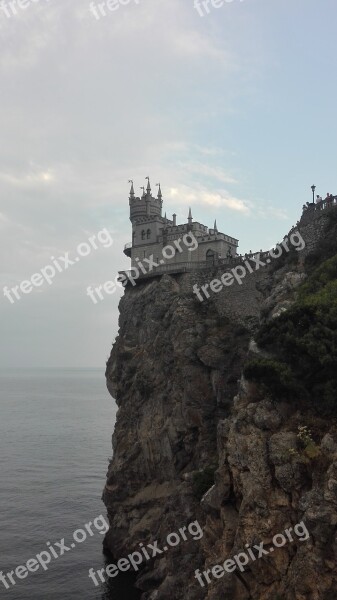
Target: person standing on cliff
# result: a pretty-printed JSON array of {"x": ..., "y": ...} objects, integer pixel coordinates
[{"x": 319, "y": 202}]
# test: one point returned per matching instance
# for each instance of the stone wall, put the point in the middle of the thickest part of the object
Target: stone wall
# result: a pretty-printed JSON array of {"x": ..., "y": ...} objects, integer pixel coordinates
[{"x": 312, "y": 225}]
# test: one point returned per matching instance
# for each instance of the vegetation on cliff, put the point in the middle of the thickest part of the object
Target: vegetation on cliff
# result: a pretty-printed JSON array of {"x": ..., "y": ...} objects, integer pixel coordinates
[{"x": 303, "y": 340}]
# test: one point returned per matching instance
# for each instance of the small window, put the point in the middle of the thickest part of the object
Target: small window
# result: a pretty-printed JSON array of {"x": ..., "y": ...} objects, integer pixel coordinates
[
  {"x": 143, "y": 234},
  {"x": 148, "y": 233}
]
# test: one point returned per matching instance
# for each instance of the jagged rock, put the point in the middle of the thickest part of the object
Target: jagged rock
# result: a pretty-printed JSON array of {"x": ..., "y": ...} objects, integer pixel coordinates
[{"x": 176, "y": 373}]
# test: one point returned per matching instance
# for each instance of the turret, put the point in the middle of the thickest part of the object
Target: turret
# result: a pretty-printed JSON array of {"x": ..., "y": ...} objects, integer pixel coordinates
[
  {"x": 160, "y": 196},
  {"x": 190, "y": 219},
  {"x": 145, "y": 206},
  {"x": 132, "y": 191}
]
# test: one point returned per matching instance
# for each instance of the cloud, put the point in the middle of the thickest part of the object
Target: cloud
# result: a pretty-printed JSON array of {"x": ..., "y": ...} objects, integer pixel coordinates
[
  {"x": 193, "y": 44},
  {"x": 203, "y": 197},
  {"x": 30, "y": 179},
  {"x": 209, "y": 150},
  {"x": 3, "y": 221},
  {"x": 87, "y": 105},
  {"x": 267, "y": 212},
  {"x": 212, "y": 172}
]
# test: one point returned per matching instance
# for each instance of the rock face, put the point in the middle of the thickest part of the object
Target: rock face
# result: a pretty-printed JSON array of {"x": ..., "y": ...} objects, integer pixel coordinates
[{"x": 175, "y": 372}]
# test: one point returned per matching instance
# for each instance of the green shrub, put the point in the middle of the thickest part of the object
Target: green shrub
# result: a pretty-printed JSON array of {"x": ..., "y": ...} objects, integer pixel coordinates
[
  {"x": 309, "y": 450},
  {"x": 303, "y": 341},
  {"x": 276, "y": 377}
]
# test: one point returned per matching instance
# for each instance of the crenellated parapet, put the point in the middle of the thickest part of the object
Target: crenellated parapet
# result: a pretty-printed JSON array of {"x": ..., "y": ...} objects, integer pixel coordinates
[{"x": 146, "y": 205}]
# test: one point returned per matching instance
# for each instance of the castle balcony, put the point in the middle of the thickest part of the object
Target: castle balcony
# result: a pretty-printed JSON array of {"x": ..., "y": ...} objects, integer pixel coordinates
[
  {"x": 127, "y": 249},
  {"x": 186, "y": 267},
  {"x": 183, "y": 267}
]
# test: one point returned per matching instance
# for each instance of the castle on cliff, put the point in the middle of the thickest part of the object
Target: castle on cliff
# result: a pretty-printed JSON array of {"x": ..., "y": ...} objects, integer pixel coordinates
[{"x": 152, "y": 232}]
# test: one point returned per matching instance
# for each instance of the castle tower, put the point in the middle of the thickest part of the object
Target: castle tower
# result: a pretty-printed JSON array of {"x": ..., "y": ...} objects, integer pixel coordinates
[
  {"x": 145, "y": 207},
  {"x": 151, "y": 233},
  {"x": 147, "y": 221}
]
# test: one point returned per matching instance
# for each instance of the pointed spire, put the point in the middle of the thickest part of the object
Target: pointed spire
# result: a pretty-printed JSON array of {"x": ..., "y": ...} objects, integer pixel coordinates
[
  {"x": 148, "y": 188},
  {"x": 132, "y": 191},
  {"x": 165, "y": 217},
  {"x": 215, "y": 227},
  {"x": 190, "y": 220},
  {"x": 159, "y": 192}
]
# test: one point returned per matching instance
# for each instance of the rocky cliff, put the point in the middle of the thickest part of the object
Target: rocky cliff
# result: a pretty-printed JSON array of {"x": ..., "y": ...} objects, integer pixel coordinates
[{"x": 189, "y": 422}]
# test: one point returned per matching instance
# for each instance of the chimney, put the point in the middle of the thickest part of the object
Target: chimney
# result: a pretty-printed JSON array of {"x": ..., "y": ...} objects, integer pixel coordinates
[{"x": 174, "y": 220}]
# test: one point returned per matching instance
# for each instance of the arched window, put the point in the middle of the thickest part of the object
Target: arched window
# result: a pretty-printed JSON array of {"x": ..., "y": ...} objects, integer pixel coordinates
[
  {"x": 148, "y": 234},
  {"x": 143, "y": 234},
  {"x": 210, "y": 257}
]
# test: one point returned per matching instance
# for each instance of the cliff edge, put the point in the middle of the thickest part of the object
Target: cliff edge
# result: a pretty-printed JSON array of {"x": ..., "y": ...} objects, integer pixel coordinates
[{"x": 202, "y": 435}]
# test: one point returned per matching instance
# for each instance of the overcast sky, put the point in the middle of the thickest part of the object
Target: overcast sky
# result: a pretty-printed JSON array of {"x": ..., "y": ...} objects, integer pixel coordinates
[{"x": 233, "y": 112}]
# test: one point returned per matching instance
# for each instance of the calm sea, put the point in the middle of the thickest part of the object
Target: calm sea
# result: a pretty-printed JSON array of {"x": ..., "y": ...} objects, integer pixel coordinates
[{"x": 55, "y": 443}]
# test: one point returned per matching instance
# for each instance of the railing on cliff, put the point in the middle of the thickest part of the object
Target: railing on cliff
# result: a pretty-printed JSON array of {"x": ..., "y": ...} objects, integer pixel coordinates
[
  {"x": 186, "y": 267},
  {"x": 321, "y": 204}
]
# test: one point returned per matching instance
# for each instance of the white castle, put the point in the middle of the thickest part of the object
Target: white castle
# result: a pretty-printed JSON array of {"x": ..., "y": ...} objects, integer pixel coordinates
[{"x": 151, "y": 233}]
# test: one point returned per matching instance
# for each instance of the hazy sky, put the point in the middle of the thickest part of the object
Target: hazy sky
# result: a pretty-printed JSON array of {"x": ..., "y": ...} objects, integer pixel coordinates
[{"x": 233, "y": 112}]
